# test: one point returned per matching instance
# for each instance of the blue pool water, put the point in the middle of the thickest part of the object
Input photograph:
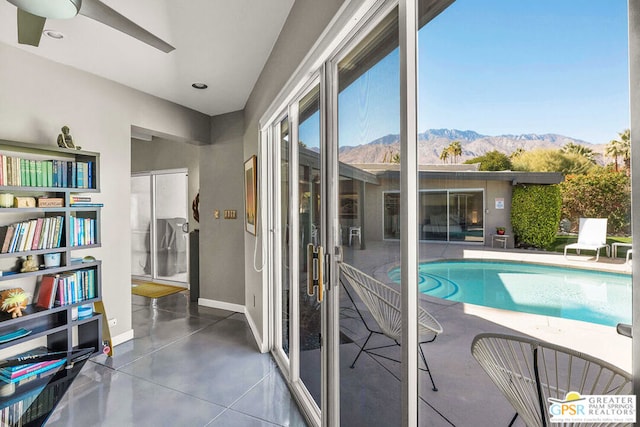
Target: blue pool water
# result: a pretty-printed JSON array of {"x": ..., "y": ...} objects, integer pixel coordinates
[{"x": 569, "y": 293}]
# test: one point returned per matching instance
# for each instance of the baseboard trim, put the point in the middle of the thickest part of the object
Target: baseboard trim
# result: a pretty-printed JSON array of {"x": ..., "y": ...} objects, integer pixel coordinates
[
  {"x": 254, "y": 329},
  {"x": 221, "y": 305},
  {"x": 122, "y": 338}
]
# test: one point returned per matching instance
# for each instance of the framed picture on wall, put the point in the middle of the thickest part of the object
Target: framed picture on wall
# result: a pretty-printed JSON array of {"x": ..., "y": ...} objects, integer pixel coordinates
[{"x": 250, "y": 194}]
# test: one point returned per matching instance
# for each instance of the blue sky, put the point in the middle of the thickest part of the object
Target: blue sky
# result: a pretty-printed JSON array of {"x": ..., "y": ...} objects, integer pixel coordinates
[{"x": 506, "y": 67}]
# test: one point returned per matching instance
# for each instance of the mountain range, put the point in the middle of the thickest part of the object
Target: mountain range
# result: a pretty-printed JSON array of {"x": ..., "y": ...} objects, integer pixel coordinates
[{"x": 432, "y": 142}]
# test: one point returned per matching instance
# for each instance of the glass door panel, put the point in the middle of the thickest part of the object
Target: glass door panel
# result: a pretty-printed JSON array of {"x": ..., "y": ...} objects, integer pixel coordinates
[
  {"x": 475, "y": 85},
  {"x": 285, "y": 303},
  {"x": 159, "y": 227},
  {"x": 308, "y": 208},
  {"x": 172, "y": 228},
  {"x": 141, "y": 226},
  {"x": 369, "y": 220}
]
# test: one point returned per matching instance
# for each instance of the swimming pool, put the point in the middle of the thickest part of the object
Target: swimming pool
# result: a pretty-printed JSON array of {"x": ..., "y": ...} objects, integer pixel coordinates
[{"x": 569, "y": 293}]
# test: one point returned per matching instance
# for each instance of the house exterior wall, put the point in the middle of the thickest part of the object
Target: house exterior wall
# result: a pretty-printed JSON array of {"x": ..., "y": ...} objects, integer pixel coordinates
[{"x": 374, "y": 203}]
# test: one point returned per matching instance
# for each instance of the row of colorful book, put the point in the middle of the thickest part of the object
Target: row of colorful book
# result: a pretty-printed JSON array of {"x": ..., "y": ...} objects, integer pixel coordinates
[
  {"x": 21, "y": 172},
  {"x": 20, "y": 374},
  {"x": 67, "y": 288},
  {"x": 33, "y": 234},
  {"x": 83, "y": 231}
]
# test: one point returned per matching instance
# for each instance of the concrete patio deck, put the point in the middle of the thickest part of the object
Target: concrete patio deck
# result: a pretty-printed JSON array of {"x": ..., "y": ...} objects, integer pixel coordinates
[{"x": 370, "y": 394}]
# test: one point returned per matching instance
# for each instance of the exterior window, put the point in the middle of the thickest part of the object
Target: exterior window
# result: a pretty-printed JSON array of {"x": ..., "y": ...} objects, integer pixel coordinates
[{"x": 451, "y": 216}]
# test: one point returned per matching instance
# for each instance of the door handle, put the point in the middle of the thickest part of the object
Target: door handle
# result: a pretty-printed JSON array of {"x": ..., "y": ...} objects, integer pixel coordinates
[{"x": 315, "y": 271}]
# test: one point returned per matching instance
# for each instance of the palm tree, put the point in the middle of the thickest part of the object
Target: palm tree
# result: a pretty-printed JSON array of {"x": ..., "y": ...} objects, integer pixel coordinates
[
  {"x": 455, "y": 149},
  {"x": 625, "y": 145},
  {"x": 516, "y": 153},
  {"x": 581, "y": 150},
  {"x": 444, "y": 156},
  {"x": 391, "y": 157},
  {"x": 614, "y": 150}
]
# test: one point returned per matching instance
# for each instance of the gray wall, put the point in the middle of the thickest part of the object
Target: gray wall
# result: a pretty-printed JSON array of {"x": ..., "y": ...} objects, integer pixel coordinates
[
  {"x": 38, "y": 97},
  {"x": 221, "y": 187},
  {"x": 160, "y": 154},
  {"x": 303, "y": 26}
]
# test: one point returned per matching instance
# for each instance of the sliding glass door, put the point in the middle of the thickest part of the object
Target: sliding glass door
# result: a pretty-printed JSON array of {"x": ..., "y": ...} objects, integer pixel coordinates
[
  {"x": 296, "y": 149},
  {"x": 159, "y": 227},
  {"x": 372, "y": 186},
  {"x": 368, "y": 122}
]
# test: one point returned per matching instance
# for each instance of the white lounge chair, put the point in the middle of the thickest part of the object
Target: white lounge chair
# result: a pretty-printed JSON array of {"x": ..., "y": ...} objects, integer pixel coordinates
[
  {"x": 592, "y": 236},
  {"x": 384, "y": 303},
  {"x": 532, "y": 374}
]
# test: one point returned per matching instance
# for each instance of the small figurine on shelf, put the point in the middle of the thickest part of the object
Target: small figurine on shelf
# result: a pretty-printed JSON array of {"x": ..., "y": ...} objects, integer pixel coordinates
[
  {"x": 14, "y": 301},
  {"x": 65, "y": 140},
  {"x": 29, "y": 264}
]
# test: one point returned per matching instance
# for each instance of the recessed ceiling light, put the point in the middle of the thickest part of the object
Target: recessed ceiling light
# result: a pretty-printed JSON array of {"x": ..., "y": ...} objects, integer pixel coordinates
[
  {"x": 199, "y": 86},
  {"x": 53, "y": 34}
]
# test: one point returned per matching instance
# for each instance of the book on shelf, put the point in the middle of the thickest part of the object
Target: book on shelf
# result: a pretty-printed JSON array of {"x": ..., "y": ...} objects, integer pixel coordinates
[
  {"x": 37, "y": 234},
  {"x": 86, "y": 205},
  {"x": 24, "y": 177},
  {"x": 55, "y": 180},
  {"x": 8, "y": 238},
  {"x": 30, "y": 234},
  {"x": 4, "y": 231},
  {"x": 18, "y": 236},
  {"x": 38, "y": 173},
  {"x": 47, "y": 291},
  {"x": 80, "y": 199},
  {"x": 31, "y": 172},
  {"x": 90, "y": 183}
]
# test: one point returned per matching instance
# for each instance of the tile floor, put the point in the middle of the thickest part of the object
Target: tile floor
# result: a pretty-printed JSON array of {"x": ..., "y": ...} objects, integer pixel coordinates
[{"x": 187, "y": 366}]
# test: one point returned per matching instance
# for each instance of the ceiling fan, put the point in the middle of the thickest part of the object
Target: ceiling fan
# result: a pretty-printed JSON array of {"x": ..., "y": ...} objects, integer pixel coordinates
[{"x": 32, "y": 15}]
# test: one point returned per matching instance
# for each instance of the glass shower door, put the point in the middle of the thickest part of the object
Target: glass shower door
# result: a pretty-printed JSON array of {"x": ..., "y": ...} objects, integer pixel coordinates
[
  {"x": 141, "y": 226},
  {"x": 159, "y": 223}
]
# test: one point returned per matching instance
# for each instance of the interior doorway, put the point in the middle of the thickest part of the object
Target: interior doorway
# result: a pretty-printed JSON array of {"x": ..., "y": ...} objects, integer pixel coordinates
[{"x": 160, "y": 227}]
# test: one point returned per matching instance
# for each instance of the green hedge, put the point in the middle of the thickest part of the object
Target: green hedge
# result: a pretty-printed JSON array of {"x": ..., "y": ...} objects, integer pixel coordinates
[
  {"x": 600, "y": 194},
  {"x": 535, "y": 214}
]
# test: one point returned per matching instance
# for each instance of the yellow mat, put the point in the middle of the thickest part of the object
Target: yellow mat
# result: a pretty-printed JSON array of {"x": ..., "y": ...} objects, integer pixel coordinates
[{"x": 153, "y": 290}]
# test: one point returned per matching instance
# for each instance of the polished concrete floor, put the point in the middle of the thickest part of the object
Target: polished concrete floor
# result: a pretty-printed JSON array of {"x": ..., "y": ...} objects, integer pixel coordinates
[
  {"x": 194, "y": 366},
  {"x": 187, "y": 366}
]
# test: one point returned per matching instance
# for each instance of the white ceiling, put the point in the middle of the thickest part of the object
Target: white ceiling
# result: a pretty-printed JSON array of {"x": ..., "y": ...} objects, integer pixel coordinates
[{"x": 223, "y": 43}]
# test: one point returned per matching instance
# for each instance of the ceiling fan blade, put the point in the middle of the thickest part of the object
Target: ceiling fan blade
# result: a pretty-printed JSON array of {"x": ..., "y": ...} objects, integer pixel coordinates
[
  {"x": 29, "y": 28},
  {"x": 100, "y": 12}
]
